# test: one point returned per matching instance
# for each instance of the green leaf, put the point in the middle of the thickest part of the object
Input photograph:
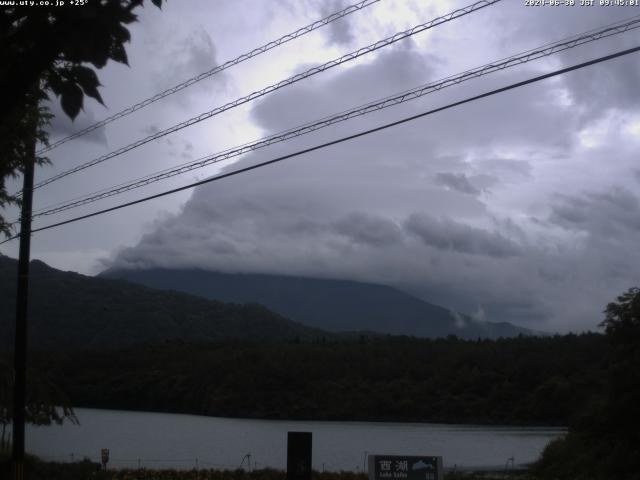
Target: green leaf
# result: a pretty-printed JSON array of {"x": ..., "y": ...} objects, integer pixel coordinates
[
  {"x": 88, "y": 81},
  {"x": 55, "y": 82},
  {"x": 98, "y": 53},
  {"x": 71, "y": 99},
  {"x": 119, "y": 54},
  {"x": 121, "y": 34}
]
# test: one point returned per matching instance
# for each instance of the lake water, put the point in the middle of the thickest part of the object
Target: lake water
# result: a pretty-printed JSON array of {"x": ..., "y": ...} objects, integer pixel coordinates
[{"x": 158, "y": 440}]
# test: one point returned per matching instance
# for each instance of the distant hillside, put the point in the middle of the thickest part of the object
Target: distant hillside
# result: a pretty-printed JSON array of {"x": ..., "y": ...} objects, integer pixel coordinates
[
  {"x": 70, "y": 310},
  {"x": 334, "y": 305}
]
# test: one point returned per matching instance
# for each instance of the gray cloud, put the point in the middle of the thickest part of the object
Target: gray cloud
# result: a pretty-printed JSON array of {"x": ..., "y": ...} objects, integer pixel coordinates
[
  {"x": 62, "y": 126},
  {"x": 447, "y": 234},
  {"x": 457, "y": 181},
  {"x": 548, "y": 247},
  {"x": 193, "y": 53},
  {"x": 605, "y": 86},
  {"x": 368, "y": 230},
  {"x": 511, "y": 166},
  {"x": 398, "y": 68},
  {"x": 603, "y": 214},
  {"x": 614, "y": 85},
  {"x": 339, "y": 31}
]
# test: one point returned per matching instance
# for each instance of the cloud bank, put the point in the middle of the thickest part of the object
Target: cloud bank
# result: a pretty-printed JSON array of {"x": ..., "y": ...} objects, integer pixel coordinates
[{"x": 521, "y": 207}]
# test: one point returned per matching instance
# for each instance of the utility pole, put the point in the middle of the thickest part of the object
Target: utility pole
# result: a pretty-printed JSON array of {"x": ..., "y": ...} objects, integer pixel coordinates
[{"x": 20, "y": 344}]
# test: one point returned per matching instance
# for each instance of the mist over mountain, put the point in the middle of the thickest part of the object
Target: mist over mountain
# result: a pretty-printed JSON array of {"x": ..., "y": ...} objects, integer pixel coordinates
[
  {"x": 69, "y": 310},
  {"x": 333, "y": 305}
]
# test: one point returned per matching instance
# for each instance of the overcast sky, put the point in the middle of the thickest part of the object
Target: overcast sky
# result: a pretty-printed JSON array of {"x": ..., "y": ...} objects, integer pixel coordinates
[{"x": 521, "y": 207}]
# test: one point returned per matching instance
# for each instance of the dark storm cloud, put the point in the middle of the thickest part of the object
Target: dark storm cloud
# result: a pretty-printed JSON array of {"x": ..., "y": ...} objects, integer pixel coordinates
[
  {"x": 395, "y": 70},
  {"x": 614, "y": 85},
  {"x": 447, "y": 234},
  {"x": 200, "y": 54},
  {"x": 610, "y": 85},
  {"x": 484, "y": 171},
  {"x": 457, "y": 181},
  {"x": 602, "y": 214},
  {"x": 291, "y": 218},
  {"x": 62, "y": 126},
  {"x": 339, "y": 31},
  {"x": 194, "y": 52},
  {"x": 368, "y": 229},
  {"x": 570, "y": 212}
]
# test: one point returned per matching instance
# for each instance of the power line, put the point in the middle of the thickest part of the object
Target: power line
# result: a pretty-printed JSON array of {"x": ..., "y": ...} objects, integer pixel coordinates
[
  {"x": 187, "y": 83},
  {"x": 283, "y": 83},
  {"x": 518, "y": 59},
  {"x": 340, "y": 140}
]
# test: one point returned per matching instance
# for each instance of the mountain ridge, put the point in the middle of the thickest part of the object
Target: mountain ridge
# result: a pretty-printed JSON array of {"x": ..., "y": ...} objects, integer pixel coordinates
[
  {"x": 327, "y": 304},
  {"x": 70, "y": 310}
]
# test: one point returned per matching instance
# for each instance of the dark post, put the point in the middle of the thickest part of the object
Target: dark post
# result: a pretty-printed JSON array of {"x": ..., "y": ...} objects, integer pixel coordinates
[
  {"x": 20, "y": 345},
  {"x": 299, "y": 456}
]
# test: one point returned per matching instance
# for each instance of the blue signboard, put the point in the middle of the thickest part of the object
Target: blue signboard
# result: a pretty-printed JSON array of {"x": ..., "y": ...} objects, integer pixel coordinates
[{"x": 401, "y": 467}]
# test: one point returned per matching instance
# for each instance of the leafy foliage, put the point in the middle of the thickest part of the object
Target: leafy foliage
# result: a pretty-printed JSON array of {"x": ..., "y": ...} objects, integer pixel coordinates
[
  {"x": 36, "y": 469},
  {"x": 604, "y": 441},
  {"x": 39, "y": 470},
  {"x": 46, "y": 403},
  {"x": 269, "y": 367},
  {"x": 262, "y": 474},
  {"x": 16, "y": 142},
  {"x": 47, "y": 49},
  {"x": 57, "y": 41}
]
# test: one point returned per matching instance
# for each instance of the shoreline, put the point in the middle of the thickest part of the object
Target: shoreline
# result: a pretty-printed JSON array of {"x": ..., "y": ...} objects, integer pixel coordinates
[{"x": 462, "y": 425}]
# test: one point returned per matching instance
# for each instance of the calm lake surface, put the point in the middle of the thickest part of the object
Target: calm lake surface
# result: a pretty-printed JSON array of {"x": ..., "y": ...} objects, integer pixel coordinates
[{"x": 158, "y": 440}]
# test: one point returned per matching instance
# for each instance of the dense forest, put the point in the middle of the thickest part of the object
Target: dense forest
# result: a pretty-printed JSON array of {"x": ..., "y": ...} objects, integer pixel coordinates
[
  {"x": 524, "y": 380},
  {"x": 604, "y": 439},
  {"x": 69, "y": 310},
  {"x": 590, "y": 382},
  {"x": 179, "y": 353}
]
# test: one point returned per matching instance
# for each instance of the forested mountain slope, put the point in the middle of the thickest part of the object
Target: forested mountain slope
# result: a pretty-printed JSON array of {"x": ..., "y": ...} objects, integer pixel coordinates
[
  {"x": 69, "y": 310},
  {"x": 333, "y": 305}
]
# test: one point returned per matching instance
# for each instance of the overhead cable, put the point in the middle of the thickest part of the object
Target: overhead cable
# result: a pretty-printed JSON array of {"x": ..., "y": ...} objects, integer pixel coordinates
[
  {"x": 339, "y": 140},
  {"x": 209, "y": 73},
  {"x": 518, "y": 59},
  {"x": 271, "y": 88}
]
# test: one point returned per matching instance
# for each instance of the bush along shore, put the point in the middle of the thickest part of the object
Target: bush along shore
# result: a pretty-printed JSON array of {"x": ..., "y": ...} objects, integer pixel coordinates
[{"x": 36, "y": 469}]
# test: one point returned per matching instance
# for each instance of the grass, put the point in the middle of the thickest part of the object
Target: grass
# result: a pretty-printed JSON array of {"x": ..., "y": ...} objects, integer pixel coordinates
[{"x": 36, "y": 469}]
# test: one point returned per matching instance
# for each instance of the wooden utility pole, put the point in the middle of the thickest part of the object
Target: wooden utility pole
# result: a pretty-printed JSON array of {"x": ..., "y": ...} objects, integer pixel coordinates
[{"x": 20, "y": 344}]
